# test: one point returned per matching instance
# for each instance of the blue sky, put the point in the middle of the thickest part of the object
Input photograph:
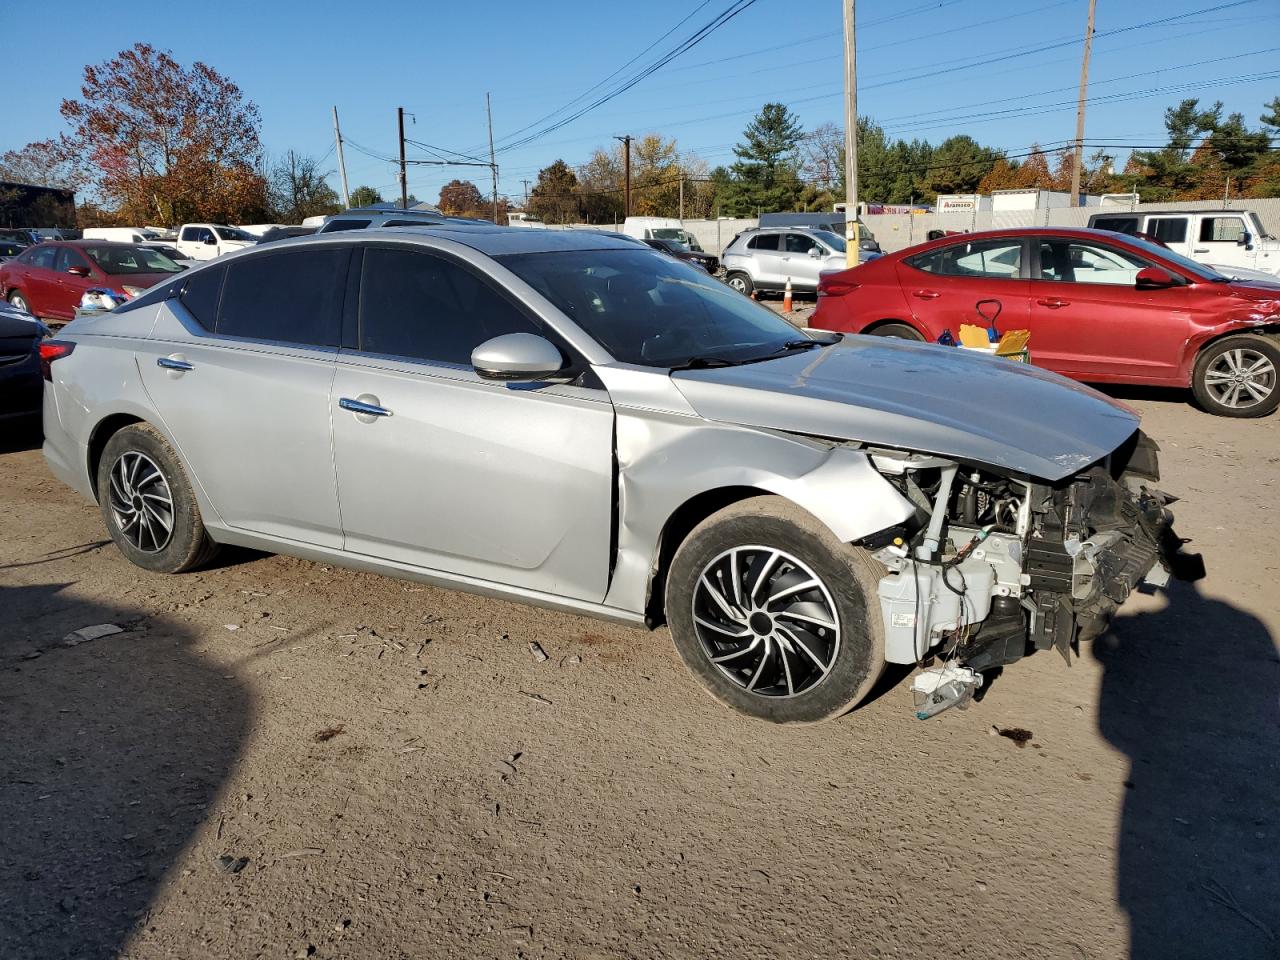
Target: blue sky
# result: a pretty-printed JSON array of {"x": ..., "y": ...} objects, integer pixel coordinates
[{"x": 1003, "y": 71}]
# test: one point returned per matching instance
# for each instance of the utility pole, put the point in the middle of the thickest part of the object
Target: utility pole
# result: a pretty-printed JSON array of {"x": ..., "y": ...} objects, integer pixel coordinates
[
  {"x": 493, "y": 164},
  {"x": 526, "y": 193},
  {"x": 342, "y": 163},
  {"x": 404, "y": 179},
  {"x": 626, "y": 167},
  {"x": 851, "y": 238},
  {"x": 1084, "y": 86},
  {"x": 681, "y": 194}
]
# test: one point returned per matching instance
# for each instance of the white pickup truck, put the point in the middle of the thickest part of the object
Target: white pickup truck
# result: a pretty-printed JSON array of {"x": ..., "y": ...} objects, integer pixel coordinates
[
  {"x": 204, "y": 241},
  {"x": 1233, "y": 242}
]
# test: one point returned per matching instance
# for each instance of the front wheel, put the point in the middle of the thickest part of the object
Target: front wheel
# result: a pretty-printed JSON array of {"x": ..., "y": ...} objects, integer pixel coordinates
[
  {"x": 1237, "y": 377},
  {"x": 773, "y": 615},
  {"x": 740, "y": 282},
  {"x": 148, "y": 504}
]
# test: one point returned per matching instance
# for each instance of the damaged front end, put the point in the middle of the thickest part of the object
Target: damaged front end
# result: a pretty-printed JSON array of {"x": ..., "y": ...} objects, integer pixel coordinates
[{"x": 993, "y": 567}]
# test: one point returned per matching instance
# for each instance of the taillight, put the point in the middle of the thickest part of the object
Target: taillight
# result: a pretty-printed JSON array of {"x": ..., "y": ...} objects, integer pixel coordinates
[
  {"x": 51, "y": 350},
  {"x": 836, "y": 285}
]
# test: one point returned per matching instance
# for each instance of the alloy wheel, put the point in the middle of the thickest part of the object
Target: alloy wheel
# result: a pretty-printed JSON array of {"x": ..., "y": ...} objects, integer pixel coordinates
[
  {"x": 766, "y": 621},
  {"x": 141, "y": 502},
  {"x": 737, "y": 283},
  {"x": 1241, "y": 378}
]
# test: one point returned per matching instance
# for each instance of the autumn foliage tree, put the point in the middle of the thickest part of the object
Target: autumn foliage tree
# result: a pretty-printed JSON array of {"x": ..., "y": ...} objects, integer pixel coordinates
[
  {"x": 554, "y": 197},
  {"x": 462, "y": 198},
  {"x": 167, "y": 143}
]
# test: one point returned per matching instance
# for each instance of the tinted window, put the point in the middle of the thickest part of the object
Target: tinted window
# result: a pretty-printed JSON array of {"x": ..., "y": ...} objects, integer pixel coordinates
[
  {"x": 1073, "y": 261},
  {"x": 647, "y": 308},
  {"x": 334, "y": 225},
  {"x": 41, "y": 257},
  {"x": 766, "y": 241},
  {"x": 68, "y": 258},
  {"x": 9, "y": 249},
  {"x": 1221, "y": 229},
  {"x": 801, "y": 243},
  {"x": 293, "y": 297},
  {"x": 201, "y": 294},
  {"x": 190, "y": 233},
  {"x": 428, "y": 308},
  {"x": 1168, "y": 229},
  {"x": 1116, "y": 224},
  {"x": 994, "y": 259},
  {"x": 121, "y": 258}
]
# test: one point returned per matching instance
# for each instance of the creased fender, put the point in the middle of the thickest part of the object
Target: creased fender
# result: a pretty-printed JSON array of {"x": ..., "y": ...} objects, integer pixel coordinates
[{"x": 664, "y": 460}]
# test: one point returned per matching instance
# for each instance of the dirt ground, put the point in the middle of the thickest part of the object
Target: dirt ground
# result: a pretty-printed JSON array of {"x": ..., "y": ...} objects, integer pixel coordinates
[{"x": 366, "y": 768}]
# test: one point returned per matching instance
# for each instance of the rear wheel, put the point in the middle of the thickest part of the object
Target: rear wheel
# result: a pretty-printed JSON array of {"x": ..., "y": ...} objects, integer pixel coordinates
[
  {"x": 1238, "y": 377},
  {"x": 19, "y": 302},
  {"x": 148, "y": 504},
  {"x": 740, "y": 282},
  {"x": 898, "y": 330},
  {"x": 773, "y": 615}
]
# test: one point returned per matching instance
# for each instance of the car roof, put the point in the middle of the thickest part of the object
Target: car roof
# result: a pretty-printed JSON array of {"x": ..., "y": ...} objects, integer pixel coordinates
[
  {"x": 495, "y": 241},
  {"x": 1163, "y": 213},
  {"x": 1080, "y": 233}
]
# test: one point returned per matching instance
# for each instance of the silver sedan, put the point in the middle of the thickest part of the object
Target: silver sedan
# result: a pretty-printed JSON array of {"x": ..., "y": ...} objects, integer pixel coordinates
[{"x": 569, "y": 419}]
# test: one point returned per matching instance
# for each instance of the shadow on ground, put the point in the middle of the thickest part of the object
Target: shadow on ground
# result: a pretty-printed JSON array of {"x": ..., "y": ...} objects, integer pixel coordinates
[
  {"x": 21, "y": 434},
  {"x": 110, "y": 753},
  {"x": 1191, "y": 694}
]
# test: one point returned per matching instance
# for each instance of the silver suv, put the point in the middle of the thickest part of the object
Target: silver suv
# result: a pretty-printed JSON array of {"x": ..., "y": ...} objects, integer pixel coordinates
[{"x": 764, "y": 259}]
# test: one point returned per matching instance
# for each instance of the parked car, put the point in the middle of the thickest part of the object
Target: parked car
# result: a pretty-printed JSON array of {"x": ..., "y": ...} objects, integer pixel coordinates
[
  {"x": 21, "y": 387},
  {"x": 205, "y": 241},
  {"x": 830, "y": 222},
  {"x": 9, "y": 249},
  {"x": 765, "y": 258},
  {"x": 21, "y": 235},
  {"x": 121, "y": 234},
  {"x": 660, "y": 228},
  {"x": 286, "y": 233},
  {"x": 1101, "y": 307},
  {"x": 1232, "y": 242},
  {"x": 682, "y": 252},
  {"x": 48, "y": 280},
  {"x": 368, "y": 218},
  {"x": 590, "y": 425}
]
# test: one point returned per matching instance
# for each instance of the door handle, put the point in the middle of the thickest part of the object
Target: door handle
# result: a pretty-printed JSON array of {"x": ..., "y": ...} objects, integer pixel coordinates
[
  {"x": 1053, "y": 303},
  {"x": 926, "y": 294},
  {"x": 1201, "y": 250},
  {"x": 169, "y": 363},
  {"x": 359, "y": 406}
]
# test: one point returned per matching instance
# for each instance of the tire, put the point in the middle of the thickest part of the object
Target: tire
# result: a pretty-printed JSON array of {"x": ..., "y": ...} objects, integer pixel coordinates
[
  {"x": 1238, "y": 376},
  {"x": 741, "y": 282},
  {"x": 20, "y": 302},
  {"x": 900, "y": 331},
  {"x": 813, "y": 672},
  {"x": 138, "y": 474}
]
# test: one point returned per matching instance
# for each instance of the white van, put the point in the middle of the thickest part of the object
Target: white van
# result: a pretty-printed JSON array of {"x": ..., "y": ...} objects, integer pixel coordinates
[
  {"x": 1233, "y": 242},
  {"x": 120, "y": 234},
  {"x": 659, "y": 228}
]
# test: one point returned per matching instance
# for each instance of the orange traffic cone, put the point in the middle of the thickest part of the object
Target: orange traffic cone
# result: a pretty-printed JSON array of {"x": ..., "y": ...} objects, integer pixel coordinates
[{"x": 786, "y": 297}]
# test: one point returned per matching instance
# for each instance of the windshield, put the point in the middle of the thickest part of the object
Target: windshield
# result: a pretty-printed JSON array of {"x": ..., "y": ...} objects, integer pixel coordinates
[
  {"x": 676, "y": 234},
  {"x": 651, "y": 310},
  {"x": 832, "y": 240},
  {"x": 123, "y": 258},
  {"x": 231, "y": 233},
  {"x": 1198, "y": 270}
]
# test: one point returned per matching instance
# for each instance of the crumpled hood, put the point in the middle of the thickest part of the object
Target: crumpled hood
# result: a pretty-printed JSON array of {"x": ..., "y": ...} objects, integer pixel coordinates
[{"x": 920, "y": 397}]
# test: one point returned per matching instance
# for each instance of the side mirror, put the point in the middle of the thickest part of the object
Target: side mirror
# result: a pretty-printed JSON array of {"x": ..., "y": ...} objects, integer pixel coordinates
[
  {"x": 517, "y": 356},
  {"x": 817, "y": 253},
  {"x": 1245, "y": 240},
  {"x": 78, "y": 271},
  {"x": 1152, "y": 278},
  {"x": 211, "y": 241}
]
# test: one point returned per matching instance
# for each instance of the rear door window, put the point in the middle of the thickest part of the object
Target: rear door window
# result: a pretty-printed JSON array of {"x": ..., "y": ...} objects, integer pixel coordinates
[
  {"x": 42, "y": 257},
  {"x": 1168, "y": 229},
  {"x": 999, "y": 259},
  {"x": 68, "y": 258},
  {"x": 426, "y": 307},
  {"x": 766, "y": 241},
  {"x": 288, "y": 297}
]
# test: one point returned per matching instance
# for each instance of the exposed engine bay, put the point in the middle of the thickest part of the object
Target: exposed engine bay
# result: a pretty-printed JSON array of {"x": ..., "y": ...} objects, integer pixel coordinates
[{"x": 992, "y": 568}]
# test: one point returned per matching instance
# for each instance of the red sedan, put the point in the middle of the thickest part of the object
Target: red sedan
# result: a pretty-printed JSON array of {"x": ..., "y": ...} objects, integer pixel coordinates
[
  {"x": 1101, "y": 307},
  {"x": 49, "y": 279}
]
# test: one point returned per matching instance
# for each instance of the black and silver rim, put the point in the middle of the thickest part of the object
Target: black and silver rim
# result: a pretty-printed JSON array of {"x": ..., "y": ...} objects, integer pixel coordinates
[
  {"x": 766, "y": 621},
  {"x": 1241, "y": 378},
  {"x": 141, "y": 502}
]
